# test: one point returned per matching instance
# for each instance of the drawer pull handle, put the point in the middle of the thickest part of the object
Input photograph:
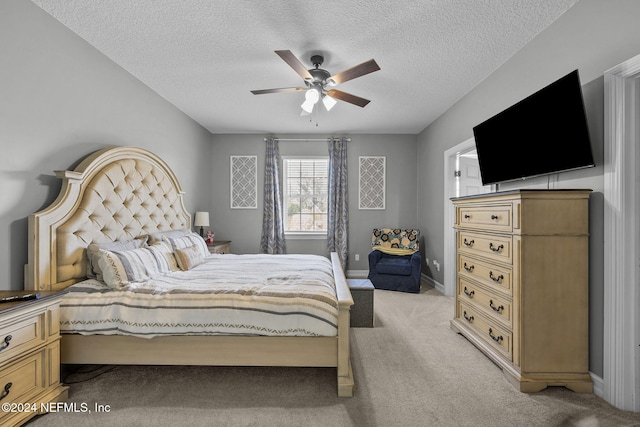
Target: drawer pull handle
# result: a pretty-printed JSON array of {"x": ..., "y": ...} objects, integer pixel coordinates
[
  {"x": 499, "y": 248},
  {"x": 469, "y": 268},
  {"x": 467, "y": 318},
  {"x": 6, "y": 342},
  {"x": 5, "y": 392},
  {"x": 494, "y": 308},
  {"x": 494, "y": 278},
  {"x": 468, "y": 244},
  {"x": 497, "y": 339},
  {"x": 469, "y": 294},
  {"x": 494, "y": 217},
  {"x": 466, "y": 216}
]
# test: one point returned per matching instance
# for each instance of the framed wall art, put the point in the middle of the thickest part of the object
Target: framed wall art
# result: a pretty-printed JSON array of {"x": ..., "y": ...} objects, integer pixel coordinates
[
  {"x": 244, "y": 182},
  {"x": 371, "y": 172}
]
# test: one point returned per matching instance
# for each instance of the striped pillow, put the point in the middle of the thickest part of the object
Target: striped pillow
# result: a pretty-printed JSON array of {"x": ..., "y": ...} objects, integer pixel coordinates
[
  {"x": 122, "y": 268},
  {"x": 93, "y": 252},
  {"x": 191, "y": 239},
  {"x": 189, "y": 257},
  {"x": 165, "y": 258}
]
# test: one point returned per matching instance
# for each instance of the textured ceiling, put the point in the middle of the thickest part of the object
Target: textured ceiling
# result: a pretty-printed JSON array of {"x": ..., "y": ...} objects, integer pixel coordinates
[{"x": 205, "y": 56}]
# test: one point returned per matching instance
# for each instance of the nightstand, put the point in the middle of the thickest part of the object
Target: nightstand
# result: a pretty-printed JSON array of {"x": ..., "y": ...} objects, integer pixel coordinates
[
  {"x": 220, "y": 247},
  {"x": 29, "y": 356}
]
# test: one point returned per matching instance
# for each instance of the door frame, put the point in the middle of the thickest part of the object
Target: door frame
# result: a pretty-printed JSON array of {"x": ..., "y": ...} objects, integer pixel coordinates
[
  {"x": 621, "y": 352},
  {"x": 449, "y": 213}
]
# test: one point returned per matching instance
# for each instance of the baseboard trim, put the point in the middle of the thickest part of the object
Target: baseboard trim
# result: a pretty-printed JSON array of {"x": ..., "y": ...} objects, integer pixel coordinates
[
  {"x": 598, "y": 385},
  {"x": 437, "y": 285},
  {"x": 357, "y": 274}
]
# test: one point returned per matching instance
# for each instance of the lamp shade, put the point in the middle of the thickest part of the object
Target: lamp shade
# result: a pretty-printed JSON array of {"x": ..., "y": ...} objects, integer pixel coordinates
[
  {"x": 328, "y": 102},
  {"x": 202, "y": 219}
]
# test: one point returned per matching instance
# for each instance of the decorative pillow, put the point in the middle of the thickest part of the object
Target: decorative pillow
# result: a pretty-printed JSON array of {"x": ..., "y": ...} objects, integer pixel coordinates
[
  {"x": 121, "y": 268},
  {"x": 191, "y": 239},
  {"x": 158, "y": 236},
  {"x": 93, "y": 252},
  {"x": 189, "y": 257},
  {"x": 165, "y": 257},
  {"x": 394, "y": 251},
  {"x": 395, "y": 238}
]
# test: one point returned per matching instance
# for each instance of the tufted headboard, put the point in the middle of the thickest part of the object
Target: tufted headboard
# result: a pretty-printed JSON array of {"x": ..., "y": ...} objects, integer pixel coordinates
[{"x": 117, "y": 193}]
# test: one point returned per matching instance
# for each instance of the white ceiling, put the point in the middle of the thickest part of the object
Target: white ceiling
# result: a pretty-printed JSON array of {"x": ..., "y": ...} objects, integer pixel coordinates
[{"x": 205, "y": 56}]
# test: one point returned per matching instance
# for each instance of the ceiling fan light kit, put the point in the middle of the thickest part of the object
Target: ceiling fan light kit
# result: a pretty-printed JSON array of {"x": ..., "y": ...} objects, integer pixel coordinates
[
  {"x": 328, "y": 102},
  {"x": 319, "y": 83},
  {"x": 311, "y": 98}
]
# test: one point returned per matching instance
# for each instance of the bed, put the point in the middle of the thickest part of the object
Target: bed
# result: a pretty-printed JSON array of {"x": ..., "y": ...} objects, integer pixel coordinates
[{"x": 124, "y": 193}]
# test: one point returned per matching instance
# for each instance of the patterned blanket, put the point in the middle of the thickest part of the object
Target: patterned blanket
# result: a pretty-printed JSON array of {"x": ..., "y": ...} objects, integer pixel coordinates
[{"x": 270, "y": 295}]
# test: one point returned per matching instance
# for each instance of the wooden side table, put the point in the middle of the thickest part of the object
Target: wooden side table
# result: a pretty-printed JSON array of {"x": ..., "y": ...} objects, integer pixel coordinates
[
  {"x": 29, "y": 356},
  {"x": 220, "y": 247}
]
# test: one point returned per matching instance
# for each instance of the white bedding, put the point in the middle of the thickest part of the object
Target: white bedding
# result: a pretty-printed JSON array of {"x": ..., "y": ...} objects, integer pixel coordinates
[{"x": 270, "y": 295}]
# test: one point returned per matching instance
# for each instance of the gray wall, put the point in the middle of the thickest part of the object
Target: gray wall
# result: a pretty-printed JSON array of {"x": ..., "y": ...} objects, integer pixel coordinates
[
  {"x": 61, "y": 99},
  {"x": 242, "y": 226},
  {"x": 593, "y": 36}
]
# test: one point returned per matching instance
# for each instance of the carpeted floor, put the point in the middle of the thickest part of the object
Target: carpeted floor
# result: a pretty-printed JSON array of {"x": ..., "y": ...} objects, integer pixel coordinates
[{"x": 410, "y": 370}]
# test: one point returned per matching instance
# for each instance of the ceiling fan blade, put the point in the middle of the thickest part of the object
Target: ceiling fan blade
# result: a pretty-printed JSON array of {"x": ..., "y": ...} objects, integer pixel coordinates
[
  {"x": 347, "y": 97},
  {"x": 277, "y": 90},
  {"x": 294, "y": 63},
  {"x": 359, "y": 70}
]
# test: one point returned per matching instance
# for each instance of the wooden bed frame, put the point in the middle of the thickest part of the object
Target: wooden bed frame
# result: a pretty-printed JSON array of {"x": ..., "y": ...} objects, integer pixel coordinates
[{"x": 124, "y": 192}]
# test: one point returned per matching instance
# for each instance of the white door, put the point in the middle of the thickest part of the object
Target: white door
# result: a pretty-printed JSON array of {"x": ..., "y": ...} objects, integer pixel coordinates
[{"x": 467, "y": 175}]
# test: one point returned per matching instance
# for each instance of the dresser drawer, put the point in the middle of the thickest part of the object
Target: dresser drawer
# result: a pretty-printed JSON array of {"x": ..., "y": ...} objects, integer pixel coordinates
[
  {"x": 495, "y": 277},
  {"x": 494, "y": 218},
  {"x": 20, "y": 336},
  {"x": 494, "y": 306},
  {"x": 498, "y": 337},
  {"x": 21, "y": 381},
  {"x": 496, "y": 247}
]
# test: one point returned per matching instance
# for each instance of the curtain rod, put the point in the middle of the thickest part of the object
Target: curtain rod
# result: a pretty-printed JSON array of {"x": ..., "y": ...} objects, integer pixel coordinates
[{"x": 306, "y": 139}]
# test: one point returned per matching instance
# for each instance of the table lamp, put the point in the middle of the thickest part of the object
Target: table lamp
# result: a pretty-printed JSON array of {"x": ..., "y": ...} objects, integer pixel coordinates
[{"x": 201, "y": 220}]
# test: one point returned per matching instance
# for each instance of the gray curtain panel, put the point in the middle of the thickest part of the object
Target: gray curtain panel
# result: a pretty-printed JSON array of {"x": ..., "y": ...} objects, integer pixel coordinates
[
  {"x": 338, "y": 218},
  {"x": 272, "y": 241}
]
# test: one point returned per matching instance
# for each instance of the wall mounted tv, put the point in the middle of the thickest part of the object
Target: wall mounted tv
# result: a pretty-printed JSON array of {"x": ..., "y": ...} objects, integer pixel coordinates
[{"x": 543, "y": 134}]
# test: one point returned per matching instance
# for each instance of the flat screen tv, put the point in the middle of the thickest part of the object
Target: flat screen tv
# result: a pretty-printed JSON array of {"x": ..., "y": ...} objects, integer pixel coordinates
[{"x": 543, "y": 134}]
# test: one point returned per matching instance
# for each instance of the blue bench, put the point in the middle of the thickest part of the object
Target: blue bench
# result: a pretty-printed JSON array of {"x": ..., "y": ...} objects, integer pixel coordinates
[{"x": 362, "y": 308}]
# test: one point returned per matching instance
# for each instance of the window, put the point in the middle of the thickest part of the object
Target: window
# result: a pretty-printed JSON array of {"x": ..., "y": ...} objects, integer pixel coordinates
[{"x": 305, "y": 195}]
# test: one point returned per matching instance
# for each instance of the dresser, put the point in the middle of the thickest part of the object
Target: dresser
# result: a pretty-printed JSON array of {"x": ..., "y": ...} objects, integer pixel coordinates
[
  {"x": 523, "y": 284},
  {"x": 29, "y": 357}
]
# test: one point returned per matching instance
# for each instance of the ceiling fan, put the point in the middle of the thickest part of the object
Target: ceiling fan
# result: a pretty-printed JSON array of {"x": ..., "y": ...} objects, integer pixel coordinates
[{"x": 319, "y": 83}]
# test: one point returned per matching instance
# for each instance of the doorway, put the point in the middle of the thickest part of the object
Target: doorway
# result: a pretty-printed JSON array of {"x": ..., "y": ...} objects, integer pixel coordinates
[{"x": 461, "y": 178}]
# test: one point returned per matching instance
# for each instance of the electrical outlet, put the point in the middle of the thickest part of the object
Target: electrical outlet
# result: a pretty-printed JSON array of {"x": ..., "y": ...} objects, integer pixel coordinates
[
  {"x": 357, "y": 257},
  {"x": 427, "y": 260},
  {"x": 437, "y": 264}
]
